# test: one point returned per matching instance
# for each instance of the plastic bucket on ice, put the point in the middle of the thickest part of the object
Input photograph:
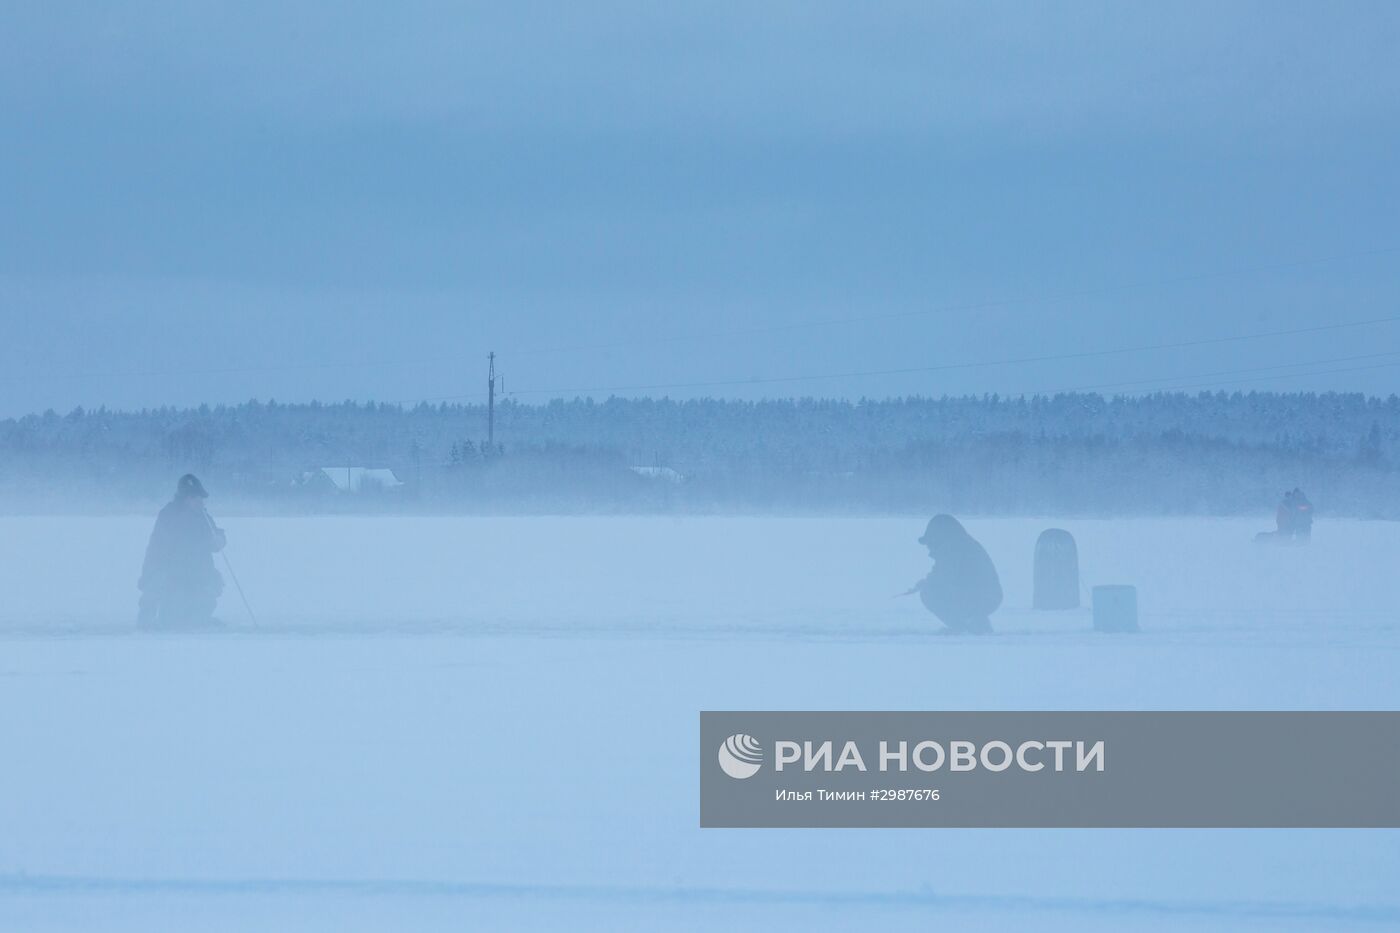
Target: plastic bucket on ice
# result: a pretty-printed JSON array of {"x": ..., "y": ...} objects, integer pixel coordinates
[{"x": 1115, "y": 608}]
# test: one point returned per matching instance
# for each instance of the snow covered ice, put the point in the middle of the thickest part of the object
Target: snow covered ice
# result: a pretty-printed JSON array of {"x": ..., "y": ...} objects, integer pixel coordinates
[
  {"x": 561, "y": 373},
  {"x": 383, "y": 751}
]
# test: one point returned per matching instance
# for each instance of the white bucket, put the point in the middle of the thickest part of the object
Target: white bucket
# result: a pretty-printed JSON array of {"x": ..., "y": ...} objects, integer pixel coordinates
[{"x": 1115, "y": 609}]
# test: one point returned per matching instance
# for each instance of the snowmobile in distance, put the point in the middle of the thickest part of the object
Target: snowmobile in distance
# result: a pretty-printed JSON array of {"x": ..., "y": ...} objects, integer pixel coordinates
[{"x": 1294, "y": 518}]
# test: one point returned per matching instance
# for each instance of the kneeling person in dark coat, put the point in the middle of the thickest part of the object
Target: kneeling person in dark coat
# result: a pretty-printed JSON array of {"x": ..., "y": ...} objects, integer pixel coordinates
[
  {"x": 963, "y": 588},
  {"x": 179, "y": 584}
]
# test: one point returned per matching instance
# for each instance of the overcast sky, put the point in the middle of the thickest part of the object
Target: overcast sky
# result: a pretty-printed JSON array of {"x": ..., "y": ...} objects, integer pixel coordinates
[{"x": 219, "y": 201}]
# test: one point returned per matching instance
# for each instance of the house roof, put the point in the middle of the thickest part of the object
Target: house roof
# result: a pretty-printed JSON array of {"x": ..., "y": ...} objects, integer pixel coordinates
[
  {"x": 658, "y": 472},
  {"x": 353, "y": 478}
]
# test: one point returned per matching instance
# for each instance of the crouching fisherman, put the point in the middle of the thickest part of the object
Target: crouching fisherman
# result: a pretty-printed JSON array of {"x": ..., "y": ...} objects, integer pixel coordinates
[
  {"x": 179, "y": 584},
  {"x": 963, "y": 588}
]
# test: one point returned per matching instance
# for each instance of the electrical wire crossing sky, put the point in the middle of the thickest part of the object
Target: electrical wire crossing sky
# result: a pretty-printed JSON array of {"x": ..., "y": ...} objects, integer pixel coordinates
[{"x": 354, "y": 201}]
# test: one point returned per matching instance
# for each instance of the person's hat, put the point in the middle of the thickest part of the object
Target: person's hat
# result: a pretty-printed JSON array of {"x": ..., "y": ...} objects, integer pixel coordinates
[
  {"x": 941, "y": 527},
  {"x": 190, "y": 486}
]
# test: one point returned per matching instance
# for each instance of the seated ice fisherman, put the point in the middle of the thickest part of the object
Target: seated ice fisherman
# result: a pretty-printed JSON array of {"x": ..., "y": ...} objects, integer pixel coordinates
[{"x": 963, "y": 588}]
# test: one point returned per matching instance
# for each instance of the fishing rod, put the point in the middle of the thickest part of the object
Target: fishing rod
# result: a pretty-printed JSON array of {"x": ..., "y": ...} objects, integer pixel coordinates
[{"x": 229, "y": 567}]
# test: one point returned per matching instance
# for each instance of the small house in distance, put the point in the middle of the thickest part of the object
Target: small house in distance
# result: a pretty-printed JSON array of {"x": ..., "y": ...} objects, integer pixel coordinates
[
  {"x": 351, "y": 479},
  {"x": 664, "y": 474}
]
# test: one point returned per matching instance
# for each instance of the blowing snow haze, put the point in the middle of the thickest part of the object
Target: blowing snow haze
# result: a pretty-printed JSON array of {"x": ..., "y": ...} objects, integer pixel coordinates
[
  {"x": 211, "y": 203},
  {"x": 986, "y": 362}
]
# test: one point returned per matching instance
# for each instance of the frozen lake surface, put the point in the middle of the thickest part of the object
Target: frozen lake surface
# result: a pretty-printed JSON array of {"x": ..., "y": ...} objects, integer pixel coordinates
[{"x": 449, "y": 723}]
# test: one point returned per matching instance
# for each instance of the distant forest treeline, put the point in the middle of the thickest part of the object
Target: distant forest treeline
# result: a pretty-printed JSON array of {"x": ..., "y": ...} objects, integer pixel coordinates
[{"x": 1211, "y": 453}]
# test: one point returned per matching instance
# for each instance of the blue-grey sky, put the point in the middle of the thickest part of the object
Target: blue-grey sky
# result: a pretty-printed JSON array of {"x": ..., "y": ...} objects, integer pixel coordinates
[{"x": 216, "y": 201}]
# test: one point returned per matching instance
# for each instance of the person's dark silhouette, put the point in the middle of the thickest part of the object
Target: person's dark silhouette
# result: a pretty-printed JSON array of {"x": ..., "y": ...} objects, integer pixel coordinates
[
  {"x": 1294, "y": 517},
  {"x": 179, "y": 584},
  {"x": 963, "y": 588},
  {"x": 1302, "y": 516}
]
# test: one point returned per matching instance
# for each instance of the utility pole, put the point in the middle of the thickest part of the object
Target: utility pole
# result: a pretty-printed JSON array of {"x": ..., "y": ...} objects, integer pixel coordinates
[{"x": 491, "y": 400}]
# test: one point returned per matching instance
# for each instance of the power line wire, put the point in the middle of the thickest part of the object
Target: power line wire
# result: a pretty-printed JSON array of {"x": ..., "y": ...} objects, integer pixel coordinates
[
  {"x": 989, "y": 305},
  {"x": 942, "y": 367},
  {"x": 733, "y": 333},
  {"x": 1212, "y": 385},
  {"x": 1232, "y": 372}
]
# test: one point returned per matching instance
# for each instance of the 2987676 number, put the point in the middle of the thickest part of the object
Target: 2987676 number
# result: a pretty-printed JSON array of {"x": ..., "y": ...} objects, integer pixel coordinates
[{"x": 904, "y": 794}]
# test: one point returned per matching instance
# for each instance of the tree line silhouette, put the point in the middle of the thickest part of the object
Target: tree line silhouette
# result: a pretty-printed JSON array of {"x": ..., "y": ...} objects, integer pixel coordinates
[{"x": 1166, "y": 453}]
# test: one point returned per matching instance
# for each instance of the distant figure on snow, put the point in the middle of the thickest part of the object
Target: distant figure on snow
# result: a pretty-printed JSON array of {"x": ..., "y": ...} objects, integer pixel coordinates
[
  {"x": 962, "y": 589},
  {"x": 179, "y": 585},
  {"x": 1294, "y": 518}
]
